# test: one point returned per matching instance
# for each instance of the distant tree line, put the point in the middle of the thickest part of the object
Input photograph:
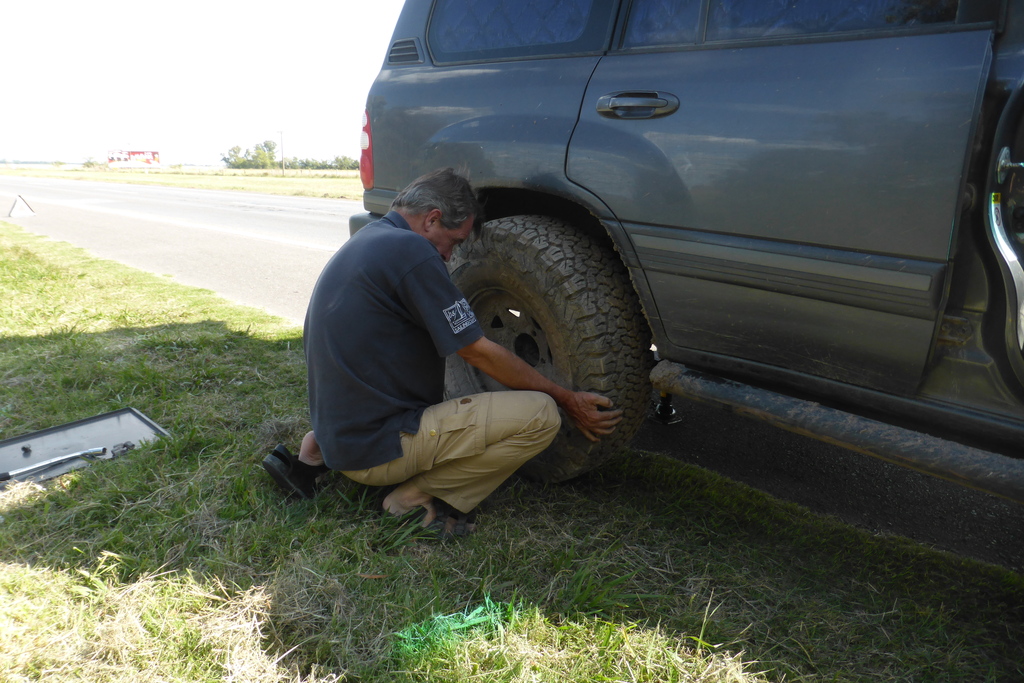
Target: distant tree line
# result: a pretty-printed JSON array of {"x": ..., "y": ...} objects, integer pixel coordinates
[
  {"x": 338, "y": 163},
  {"x": 264, "y": 155}
]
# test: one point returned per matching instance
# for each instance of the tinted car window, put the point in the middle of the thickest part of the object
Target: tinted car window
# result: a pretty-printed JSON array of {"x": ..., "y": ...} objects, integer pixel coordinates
[
  {"x": 469, "y": 30},
  {"x": 662, "y": 22},
  {"x": 735, "y": 19}
]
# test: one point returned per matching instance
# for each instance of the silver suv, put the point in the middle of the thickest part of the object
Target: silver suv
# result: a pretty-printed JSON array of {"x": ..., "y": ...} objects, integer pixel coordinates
[{"x": 813, "y": 210}]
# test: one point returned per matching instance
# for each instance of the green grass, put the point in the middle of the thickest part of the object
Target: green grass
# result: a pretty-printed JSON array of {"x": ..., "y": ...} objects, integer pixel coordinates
[
  {"x": 182, "y": 562},
  {"x": 330, "y": 184}
]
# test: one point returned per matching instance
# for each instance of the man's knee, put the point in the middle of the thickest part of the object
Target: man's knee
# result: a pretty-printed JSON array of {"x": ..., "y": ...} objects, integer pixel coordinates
[
  {"x": 550, "y": 414},
  {"x": 546, "y": 420},
  {"x": 521, "y": 415}
]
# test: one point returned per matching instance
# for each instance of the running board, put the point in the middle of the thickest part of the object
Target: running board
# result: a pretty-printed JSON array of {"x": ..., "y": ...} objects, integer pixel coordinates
[{"x": 989, "y": 472}]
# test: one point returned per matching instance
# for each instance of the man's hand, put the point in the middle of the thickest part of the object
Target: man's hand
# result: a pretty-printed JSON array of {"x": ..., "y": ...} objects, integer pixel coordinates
[{"x": 584, "y": 409}]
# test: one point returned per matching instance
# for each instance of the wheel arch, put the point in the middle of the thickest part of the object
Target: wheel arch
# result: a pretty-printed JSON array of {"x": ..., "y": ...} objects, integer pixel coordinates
[
  {"x": 591, "y": 217},
  {"x": 585, "y": 212}
]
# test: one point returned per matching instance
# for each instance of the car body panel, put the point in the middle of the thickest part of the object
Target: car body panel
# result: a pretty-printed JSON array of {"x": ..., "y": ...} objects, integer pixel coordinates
[
  {"x": 504, "y": 135},
  {"x": 853, "y": 148}
]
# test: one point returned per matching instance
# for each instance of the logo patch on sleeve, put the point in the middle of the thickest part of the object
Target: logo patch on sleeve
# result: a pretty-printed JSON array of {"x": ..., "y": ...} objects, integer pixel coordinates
[{"x": 459, "y": 316}]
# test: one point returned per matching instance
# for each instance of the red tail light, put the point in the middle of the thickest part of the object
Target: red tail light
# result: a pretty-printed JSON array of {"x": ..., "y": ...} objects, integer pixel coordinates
[{"x": 366, "y": 157}]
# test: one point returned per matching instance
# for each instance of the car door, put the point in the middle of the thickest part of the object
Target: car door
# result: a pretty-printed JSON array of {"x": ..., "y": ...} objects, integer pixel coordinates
[{"x": 790, "y": 174}]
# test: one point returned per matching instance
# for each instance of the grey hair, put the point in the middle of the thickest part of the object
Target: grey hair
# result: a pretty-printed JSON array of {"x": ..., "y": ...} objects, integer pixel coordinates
[{"x": 445, "y": 189}]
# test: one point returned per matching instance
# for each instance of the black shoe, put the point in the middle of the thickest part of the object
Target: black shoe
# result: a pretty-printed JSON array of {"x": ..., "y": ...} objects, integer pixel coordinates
[{"x": 293, "y": 476}]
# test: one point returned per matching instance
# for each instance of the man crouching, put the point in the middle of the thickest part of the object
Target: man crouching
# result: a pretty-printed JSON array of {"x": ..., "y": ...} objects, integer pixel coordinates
[{"x": 383, "y": 317}]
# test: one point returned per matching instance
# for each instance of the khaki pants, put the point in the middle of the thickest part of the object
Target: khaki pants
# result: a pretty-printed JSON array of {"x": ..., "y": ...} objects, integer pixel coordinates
[{"x": 467, "y": 446}]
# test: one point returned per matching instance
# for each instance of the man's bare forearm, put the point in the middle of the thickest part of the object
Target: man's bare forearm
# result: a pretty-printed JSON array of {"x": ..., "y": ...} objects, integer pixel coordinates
[
  {"x": 506, "y": 367},
  {"x": 590, "y": 412}
]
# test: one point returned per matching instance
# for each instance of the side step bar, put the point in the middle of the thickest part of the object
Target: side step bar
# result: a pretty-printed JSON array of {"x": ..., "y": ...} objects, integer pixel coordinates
[{"x": 989, "y": 472}]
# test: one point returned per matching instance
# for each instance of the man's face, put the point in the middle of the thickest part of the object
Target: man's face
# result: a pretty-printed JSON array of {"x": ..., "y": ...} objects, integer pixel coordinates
[{"x": 444, "y": 239}]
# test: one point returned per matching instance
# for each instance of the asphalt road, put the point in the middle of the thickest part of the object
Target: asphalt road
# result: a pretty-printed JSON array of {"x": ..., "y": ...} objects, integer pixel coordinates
[
  {"x": 267, "y": 251},
  {"x": 260, "y": 250}
]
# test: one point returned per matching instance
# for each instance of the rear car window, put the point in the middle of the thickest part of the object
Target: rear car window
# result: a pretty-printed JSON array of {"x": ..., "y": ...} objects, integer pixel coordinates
[
  {"x": 662, "y": 22},
  {"x": 677, "y": 22},
  {"x": 738, "y": 19},
  {"x": 478, "y": 30}
]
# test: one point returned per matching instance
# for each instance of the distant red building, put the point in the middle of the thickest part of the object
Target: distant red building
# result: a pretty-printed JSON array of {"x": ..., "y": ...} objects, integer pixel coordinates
[{"x": 125, "y": 159}]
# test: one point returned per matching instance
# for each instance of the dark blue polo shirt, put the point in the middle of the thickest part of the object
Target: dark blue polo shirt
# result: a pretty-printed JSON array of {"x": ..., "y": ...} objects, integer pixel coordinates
[{"x": 382, "y": 318}]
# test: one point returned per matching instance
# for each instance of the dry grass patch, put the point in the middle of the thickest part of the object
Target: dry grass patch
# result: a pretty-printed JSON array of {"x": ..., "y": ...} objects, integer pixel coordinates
[{"x": 88, "y": 626}]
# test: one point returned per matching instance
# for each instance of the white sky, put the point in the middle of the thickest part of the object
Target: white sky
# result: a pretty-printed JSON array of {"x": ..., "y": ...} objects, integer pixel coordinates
[{"x": 189, "y": 78}]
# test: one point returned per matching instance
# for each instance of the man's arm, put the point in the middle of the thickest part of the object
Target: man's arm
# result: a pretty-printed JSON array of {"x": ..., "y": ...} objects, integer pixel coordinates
[{"x": 512, "y": 371}]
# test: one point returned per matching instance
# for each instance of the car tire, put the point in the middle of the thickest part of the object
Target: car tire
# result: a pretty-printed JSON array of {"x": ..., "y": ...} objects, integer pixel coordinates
[{"x": 564, "y": 303}]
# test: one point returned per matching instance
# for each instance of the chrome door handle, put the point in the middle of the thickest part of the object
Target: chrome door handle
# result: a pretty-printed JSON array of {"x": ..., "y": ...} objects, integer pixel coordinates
[{"x": 637, "y": 104}]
